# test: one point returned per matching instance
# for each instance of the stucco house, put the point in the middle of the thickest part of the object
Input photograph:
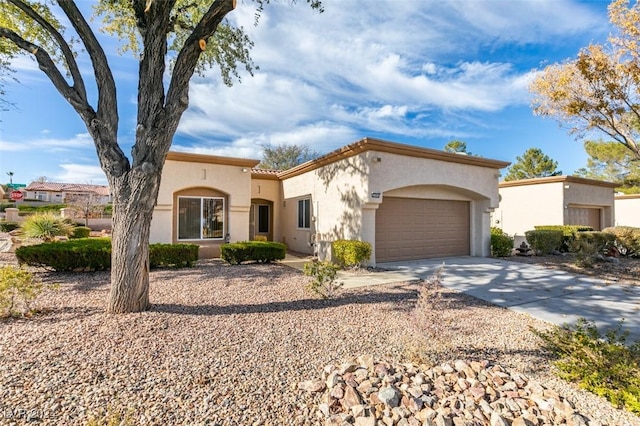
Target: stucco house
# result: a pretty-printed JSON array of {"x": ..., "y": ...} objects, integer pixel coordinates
[
  {"x": 555, "y": 200},
  {"x": 408, "y": 202},
  {"x": 627, "y": 210},
  {"x": 57, "y": 192}
]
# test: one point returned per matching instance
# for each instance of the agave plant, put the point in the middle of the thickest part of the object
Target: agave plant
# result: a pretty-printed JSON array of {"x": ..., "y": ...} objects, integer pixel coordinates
[{"x": 46, "y": 226}]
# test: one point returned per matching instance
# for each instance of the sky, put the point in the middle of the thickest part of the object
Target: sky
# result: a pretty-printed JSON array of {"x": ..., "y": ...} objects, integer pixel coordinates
[{"x": 415, "y": 72}]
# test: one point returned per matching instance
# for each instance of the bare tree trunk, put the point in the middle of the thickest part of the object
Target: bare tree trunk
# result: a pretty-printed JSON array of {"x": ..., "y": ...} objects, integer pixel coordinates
[{"x": 134, "y": 199}]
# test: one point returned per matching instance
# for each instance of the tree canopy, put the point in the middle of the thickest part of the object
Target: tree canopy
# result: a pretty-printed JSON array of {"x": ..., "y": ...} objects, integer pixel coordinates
[
  {"x": 600, "y": 89},
  {"x": 457, "y": 146},
  {"x": 533, "y": 164},
  {"x": 180, "y": 36},
  {"x": 611, "y": 162},
  {"x": 285, "y": 156}
]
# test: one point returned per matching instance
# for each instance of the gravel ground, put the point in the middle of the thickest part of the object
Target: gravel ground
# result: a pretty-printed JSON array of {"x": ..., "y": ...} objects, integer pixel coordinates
[{"x": 228, "y": 345}]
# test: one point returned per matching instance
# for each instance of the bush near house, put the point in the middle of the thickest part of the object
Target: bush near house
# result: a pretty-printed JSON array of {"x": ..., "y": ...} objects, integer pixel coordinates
[
  {"x": 257, "y": 251},
  {"x": 589, "y": 245},
  {"x": 627, "y": 240},
  {"x": 544, "y": 241},
  {"x": 568, "y": 233},
  {"x": 94, "y": 254},
  {"x": 351, "y": 253},
  {"x": 173, "y": 255},
  {"x": 501, "y": 243},
  {"x": 8, "y": 226}
]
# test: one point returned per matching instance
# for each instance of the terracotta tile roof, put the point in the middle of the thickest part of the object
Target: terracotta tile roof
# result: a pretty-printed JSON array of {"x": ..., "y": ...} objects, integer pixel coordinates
[
  {"x": 258, "y": 171},
  {"x": 68, "y": 187}
]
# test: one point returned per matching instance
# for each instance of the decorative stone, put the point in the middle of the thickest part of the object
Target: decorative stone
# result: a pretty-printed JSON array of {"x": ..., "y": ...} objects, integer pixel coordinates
[
  {"x": 312, "y": 385},
  {"x": 389, "y": 396},
  {"x": 351, "y": 398}
]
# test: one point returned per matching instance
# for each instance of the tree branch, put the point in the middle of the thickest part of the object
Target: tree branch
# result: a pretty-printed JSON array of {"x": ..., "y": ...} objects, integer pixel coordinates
[
  {"x": 49, "y": 67},
  {"x": 178, "y": 93},
  {"x": 70, "y": 59}
]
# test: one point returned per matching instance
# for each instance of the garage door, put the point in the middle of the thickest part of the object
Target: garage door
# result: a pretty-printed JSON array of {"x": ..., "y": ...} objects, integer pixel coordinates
[
  {"x": 409, "y": 228},
  {"x": 584, "y": 216}
]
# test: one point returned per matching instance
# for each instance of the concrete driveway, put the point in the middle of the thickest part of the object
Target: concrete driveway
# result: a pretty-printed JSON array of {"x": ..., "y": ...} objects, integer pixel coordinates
[{"x": 555, "y": 296}]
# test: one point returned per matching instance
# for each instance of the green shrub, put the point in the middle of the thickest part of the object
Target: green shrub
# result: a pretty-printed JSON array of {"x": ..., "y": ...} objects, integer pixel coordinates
[
  {"x": 80, "y": 232},
  {"x": 351, "y": 253},
  {"x": 173, "y": 255},
  {"x": 5, "y": 206},
  {"x": 46, "y": 226},
  {"x": 8, "y": 226},
  {"x": 258, "y": 251},
  {"x": 627, "y": 239},
  {"x": 324, "y": 282},
  {"x": 18, "y": 289},
  {"x": 544, "y": 241},
  {"x": 568, "y": 233},
  {"x": 47, "y": 208},
  {"x": 606, "y": 366},
  {"x": 92, "y": 254},
  {"x": 601, "y": 241},
  {"x": 501, "y": 243}
]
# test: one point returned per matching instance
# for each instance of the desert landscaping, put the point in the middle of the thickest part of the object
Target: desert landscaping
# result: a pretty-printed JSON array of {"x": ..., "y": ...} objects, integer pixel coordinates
[{"x": 248, "y": 345}]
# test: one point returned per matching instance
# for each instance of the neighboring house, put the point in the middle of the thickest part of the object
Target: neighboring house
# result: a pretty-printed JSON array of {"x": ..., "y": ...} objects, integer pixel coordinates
[
  {"x": 628, "y": 210},
  {"x": 408, "y": 202},
  {"x": 555, "y": 200},
  {"x": 60, "y": 193}
]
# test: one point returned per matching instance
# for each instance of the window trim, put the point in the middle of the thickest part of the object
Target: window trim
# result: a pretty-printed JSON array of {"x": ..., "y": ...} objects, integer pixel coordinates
[
  {"x": 306, "y": 214},
  {"x": 201, "y": 198}
]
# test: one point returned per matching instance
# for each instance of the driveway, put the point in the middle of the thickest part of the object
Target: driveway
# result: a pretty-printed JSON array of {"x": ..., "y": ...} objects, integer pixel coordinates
[{"x": 551, "y": 295}]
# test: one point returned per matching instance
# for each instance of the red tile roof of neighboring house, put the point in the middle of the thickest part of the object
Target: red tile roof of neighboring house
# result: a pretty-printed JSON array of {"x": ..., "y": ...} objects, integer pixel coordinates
[{"x": 68, "y": 187}]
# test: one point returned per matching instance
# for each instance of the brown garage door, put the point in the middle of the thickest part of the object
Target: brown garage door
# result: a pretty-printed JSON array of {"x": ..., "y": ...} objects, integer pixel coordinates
[
  {"x": 409, "y": 228},
  {"x": 584, "y": 216}
]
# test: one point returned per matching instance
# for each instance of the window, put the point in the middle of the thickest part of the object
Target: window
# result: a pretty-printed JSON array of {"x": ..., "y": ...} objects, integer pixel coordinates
[
  {"x": 200, "y": 218},
  {"x": 304, "y": 214},
  {"x": 263, "y": 219}
]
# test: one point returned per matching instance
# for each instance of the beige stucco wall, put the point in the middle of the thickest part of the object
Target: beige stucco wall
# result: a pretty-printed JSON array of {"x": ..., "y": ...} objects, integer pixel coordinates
[
  {"x": 232, "y": 180},
  {"x": 524, "y": 206},
  {"x": 337, "y": 191},
  {"x": 627, "y": 210},
  {"x": 344, "y": 205}
]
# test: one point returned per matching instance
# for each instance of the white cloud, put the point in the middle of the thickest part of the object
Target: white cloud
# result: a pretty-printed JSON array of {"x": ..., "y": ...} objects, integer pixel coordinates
[
  {"x": 395, "y": 67},
  {"x": 81, "y": 173}
]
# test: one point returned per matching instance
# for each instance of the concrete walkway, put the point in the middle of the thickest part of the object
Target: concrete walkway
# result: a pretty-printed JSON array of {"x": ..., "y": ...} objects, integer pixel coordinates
[{"x": 555, "y": 296}]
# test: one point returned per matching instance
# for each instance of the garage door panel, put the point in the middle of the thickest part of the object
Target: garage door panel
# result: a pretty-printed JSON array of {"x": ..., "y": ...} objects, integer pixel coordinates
[
  {"x": 408, "y": 228},
  {"x": 584, "y": 216}
]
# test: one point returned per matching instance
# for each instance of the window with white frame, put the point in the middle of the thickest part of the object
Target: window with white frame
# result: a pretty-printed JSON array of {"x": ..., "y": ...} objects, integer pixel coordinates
[
  {"x": 304, "y": 213},
  {"x": 200, "y": 218}
]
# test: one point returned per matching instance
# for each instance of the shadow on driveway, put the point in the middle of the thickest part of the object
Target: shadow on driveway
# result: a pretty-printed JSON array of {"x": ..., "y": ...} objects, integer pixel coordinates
[{"x": 555, "y": 296}]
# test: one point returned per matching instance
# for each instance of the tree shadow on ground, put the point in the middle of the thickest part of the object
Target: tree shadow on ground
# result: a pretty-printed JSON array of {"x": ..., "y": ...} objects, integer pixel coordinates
[{"x": 402, "y": 297}]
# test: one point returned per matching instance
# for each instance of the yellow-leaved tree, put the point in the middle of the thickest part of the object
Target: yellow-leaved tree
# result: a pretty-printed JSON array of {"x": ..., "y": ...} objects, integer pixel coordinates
[{"x": 600, "y": 89}]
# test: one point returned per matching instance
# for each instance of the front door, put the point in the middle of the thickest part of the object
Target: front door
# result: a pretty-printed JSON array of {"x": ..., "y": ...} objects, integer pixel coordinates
[{"x": 261, "y": 220}]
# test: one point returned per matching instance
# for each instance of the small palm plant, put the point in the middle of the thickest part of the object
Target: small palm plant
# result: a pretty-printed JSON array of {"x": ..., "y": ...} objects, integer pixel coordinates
[{"x": 46, "y": 226}]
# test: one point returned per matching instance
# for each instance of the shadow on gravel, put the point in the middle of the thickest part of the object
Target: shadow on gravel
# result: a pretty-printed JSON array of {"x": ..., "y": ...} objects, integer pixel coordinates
[{"x": 404, "y": 298}]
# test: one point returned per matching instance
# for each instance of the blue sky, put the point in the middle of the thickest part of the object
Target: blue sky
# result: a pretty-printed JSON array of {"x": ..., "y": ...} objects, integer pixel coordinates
[{"x": 416, "y": 72}]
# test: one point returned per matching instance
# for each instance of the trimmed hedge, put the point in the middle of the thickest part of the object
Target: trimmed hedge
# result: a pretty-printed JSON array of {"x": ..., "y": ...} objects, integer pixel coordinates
[
  {"x": 258, "y": 251},
  {"x": 94, "y": 254},
  {"x": 568, "y": 233},
  {"x": 501, "y": 243},
  {"x": 8, "y": 226},
  {"x": 80, "y": 232},
  {"x": 173, "y": 255},
  {"x": 627, "y": 240},
  {"x": 351, "y": 253},
  {"x": 89, "y": 254},
  {"x": 544, "y": 241},
  {"x": 593, "y": 240}
]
